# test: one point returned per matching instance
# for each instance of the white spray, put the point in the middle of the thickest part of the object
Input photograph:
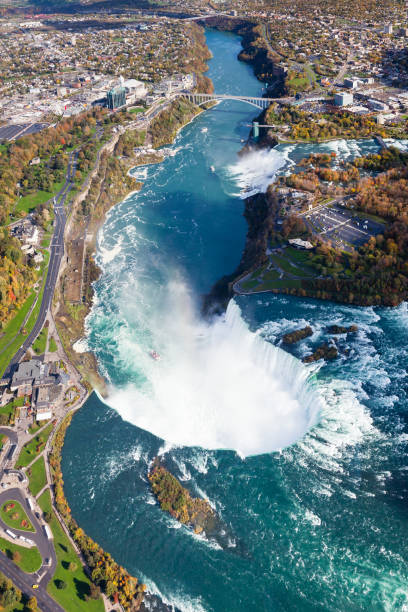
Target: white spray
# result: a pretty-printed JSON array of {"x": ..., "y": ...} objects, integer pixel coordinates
[{"x": 217, "y": 386}]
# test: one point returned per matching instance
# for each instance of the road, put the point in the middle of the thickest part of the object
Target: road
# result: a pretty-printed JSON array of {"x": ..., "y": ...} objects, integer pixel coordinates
[
  {"x": 24, "y": 582},
  {"x": 45, "y": 546},
  {"x": 56, "y": 254}
]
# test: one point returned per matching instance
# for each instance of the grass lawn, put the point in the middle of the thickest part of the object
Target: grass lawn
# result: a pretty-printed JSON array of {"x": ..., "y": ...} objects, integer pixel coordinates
[
  {"x": 249, "y": 284},
  {"x": 30, "y": 557},
  {"x": 137, "y": 109},
  {"x": 14, "y": 515},
  {"x": 52, "y": 345},
  {"x": 279, "y": 284},
  {"x": 284, "y": 264},
  {"x": 14, "y": 325},
  {"x": 9, "y": 410},
  {"x": 41, "y": 341},
  {"x": 8, "y": 353},
  {"x": 36, "y": 476},
  {"x": 30, "y": 202},
  {"x": 34, "y": 447},
  {"x": 73, "y": 597},
  {"x": 36, "y": 426}
]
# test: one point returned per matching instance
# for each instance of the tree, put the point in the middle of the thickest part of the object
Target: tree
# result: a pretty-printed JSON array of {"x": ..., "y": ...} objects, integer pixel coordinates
[
  {"x": 16, "y": 556},
  {"x": 72, "y": 566},
  {"x": 61, "y": 584},
  {"x": 32, "y": 604}
]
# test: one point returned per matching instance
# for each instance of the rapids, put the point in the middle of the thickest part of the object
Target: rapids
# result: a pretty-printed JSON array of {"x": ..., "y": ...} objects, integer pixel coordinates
[{"x": 319, "y": 524}]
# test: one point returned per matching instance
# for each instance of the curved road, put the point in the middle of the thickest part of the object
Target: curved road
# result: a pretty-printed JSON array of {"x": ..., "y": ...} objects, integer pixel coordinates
[{"x": 45, "y": 546}]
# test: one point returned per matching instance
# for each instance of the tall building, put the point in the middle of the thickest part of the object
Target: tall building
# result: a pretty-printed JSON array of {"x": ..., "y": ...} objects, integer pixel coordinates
[
  {"x": 343, "y": 99},
  {"x": 116, "y": 97}
]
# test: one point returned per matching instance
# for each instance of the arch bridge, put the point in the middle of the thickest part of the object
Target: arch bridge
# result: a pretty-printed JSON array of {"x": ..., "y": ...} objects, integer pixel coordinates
[{"x": 199, "y": 99}]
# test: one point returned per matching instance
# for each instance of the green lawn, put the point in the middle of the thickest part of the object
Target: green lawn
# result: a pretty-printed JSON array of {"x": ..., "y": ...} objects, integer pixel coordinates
[
  {"x": 13, "y": 514},
  {"x": 37, "y": 476},
  {"x": 279, "y": 284},
  {"x": 30, "y": 557},
  {"x": 8, "y": 353},
  {"x": 34, "y": 447},
  {"x": 52, "y": 345},
  {"x": 14, "y": 325},
  {"x": 137, "y": 109},
  {"x": 9, "y": 410},
  {"x": 40, "y": 342},
  {"x": 73, "y": 597},
  {"x": 30, "y": 202},
  {"x": 249, "y": 284}
]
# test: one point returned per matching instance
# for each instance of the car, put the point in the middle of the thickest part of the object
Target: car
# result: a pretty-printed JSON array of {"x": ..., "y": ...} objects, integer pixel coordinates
[{"x": 35, "y": 586}]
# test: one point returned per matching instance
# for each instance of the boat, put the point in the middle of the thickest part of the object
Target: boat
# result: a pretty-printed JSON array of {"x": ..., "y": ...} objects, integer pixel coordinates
[
  {"x": 212, "y": 168},
  {"x": 154, "y": 355},
  {"x": 204, "y": 130}
]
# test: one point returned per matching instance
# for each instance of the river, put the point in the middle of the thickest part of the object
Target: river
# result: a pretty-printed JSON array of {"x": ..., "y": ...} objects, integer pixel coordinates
[{"x": 306, "y": 466}]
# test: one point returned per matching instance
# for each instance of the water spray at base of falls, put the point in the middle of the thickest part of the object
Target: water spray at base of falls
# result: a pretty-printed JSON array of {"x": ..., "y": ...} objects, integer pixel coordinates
[{"x": 218, "y": 385}]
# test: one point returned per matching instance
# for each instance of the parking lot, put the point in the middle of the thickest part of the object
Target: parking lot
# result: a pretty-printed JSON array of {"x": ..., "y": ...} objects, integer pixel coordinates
[
  {"x": 12, "y": 131},
  {"x": 343, "y": 227}
]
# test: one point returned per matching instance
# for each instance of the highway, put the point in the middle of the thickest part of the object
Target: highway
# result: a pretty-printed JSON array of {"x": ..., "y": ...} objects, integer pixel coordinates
[{"x": 56, "y": 254}]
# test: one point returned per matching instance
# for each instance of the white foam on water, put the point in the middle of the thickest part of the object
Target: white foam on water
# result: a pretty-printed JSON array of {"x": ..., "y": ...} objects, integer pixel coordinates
[
  {"x": 81, "y": 346},
  {"x": 256, "y": 170},
  {"x": 217, "y": 385},
  {"x": 108, "y": 254}
]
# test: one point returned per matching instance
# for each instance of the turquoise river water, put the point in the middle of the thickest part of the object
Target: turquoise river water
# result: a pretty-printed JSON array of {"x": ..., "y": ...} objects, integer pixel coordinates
[{"x": 307, "y": 466}]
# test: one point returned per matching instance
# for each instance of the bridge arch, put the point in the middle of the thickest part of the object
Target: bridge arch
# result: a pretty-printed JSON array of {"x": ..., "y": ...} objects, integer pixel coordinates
[{"x": 199, "y": 99}]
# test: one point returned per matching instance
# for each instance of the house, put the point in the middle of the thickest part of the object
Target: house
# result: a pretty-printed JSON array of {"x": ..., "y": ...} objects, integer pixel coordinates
[{"x": 300, "y": 244}]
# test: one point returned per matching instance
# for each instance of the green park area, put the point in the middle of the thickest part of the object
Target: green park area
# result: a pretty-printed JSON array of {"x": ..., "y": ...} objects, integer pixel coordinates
[
  {"x": 70, "y": 586},
  {"x": 40, "y": 342},
  {"x": 137, "y": 109},
  {"x": 284, "y": 270},
  {"x": 28, "y": 203},
  {"x": 13, "y": 514},
  {"x": 52, "y": 345},
  {"x": 27, "y": 559},
  {"x": 37, "y": 478},
  {"x": 9, "y": 411},
  {"x": 34, "y": 447},
  {"x": 13, "y": 336}
]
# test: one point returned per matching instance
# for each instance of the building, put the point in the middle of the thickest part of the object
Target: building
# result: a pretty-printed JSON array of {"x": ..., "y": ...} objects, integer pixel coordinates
[
  {"x": 29, "y": 373},
  {"x": 377, "y": 105},
  {"x": 298, "y": 243},
  {"x": 135, "y": 90},
  {"x": 116, "y": 97},
  {"x": 388, "y": 29},
  {"x": 343, "y": 99},
  {"x": 352, "y": 83}
]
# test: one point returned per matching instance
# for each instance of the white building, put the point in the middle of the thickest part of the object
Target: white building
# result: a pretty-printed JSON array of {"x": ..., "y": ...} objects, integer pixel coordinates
[
  {"x": 343, "y": 99},
  {"x": 377, "y": 105},
  {"x": 298, "y": 243},
  {"x": 135, "y": 90}
]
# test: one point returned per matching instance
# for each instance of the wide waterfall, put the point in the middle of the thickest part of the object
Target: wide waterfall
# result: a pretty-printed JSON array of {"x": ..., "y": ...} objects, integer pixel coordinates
[{"x": 218, "y": 385}]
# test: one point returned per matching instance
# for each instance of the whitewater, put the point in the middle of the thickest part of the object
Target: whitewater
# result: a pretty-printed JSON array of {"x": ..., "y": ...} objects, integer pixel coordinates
[{"x": 306, "y": 465}]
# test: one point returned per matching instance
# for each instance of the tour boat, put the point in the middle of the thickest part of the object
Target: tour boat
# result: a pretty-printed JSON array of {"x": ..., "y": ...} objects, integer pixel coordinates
[
  {"x": 212, "y": 168},
  {"x": 154, "y": 355},
  {"x": 204, "y": 130}
]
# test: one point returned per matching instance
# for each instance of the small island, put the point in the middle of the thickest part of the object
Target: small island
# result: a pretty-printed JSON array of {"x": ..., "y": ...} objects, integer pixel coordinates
[{"x": 177, "y": 501}]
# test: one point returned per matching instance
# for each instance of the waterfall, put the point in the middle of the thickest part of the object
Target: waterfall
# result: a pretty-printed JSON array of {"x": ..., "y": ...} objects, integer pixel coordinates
[{"x": 218, "y": 385}]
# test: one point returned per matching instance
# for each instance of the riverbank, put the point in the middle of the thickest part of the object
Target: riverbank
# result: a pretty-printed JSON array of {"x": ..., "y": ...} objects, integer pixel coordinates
[{"x": 110, "y": 182}]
